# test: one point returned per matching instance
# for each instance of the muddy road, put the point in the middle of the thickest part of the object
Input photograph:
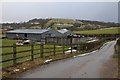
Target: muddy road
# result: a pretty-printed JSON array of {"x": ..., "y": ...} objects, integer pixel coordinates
[{"x": 88, "y": 66}]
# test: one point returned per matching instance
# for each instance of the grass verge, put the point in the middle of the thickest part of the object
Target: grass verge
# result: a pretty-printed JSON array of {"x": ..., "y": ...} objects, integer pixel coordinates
[{"x": 117, "y": 55}]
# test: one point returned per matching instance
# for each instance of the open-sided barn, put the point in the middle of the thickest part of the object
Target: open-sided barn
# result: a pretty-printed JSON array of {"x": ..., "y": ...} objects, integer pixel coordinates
[
  {"x": 42, "y": 35},
  {"x": 32, "y": 34}
]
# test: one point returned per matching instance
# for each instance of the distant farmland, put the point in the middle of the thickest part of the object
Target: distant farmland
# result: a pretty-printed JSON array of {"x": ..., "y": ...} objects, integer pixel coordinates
[{"x": 101, "y": 31}]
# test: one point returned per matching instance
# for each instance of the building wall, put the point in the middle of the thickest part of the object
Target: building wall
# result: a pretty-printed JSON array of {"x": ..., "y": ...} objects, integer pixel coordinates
[
  {"x": 10, "y": 36},
  {"x": 55, "y": 33},
  {"x": 34, "y": 37},
  {"x": 68, "y": 33},
  {"x": 58, "y": 40},
  {"x": 79, "y": 40},
  {"x": 42, "y": 36},
  {"x": 15, "y": 36},
  {"x": 50, "y": 33}
]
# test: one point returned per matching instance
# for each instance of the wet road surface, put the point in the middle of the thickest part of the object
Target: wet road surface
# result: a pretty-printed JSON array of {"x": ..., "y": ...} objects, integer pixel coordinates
[{"x": 79, "y": 67}]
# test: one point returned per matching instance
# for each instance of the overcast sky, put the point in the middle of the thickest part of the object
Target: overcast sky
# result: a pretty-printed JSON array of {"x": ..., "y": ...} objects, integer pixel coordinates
[{"x": 24, "y": 11}]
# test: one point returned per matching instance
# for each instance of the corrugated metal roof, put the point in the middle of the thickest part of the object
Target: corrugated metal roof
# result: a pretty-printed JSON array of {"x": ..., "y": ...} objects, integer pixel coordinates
[
  {"x": 62, "y": 31},
  {"x": 39, "y": 31}
]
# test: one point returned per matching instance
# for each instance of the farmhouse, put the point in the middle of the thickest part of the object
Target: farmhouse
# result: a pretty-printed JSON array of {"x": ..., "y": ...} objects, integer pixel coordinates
[{"x": 32, "y": 34}]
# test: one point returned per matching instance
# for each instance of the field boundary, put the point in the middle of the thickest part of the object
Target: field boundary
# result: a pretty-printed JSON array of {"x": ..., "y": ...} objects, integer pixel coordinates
[
  {"x": 42, "y": 52},
  {"x": 19, "y": 68}
]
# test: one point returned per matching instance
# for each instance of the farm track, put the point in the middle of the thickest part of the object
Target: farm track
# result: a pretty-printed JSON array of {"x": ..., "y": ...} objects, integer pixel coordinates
[{"x": 90, "y": 66}]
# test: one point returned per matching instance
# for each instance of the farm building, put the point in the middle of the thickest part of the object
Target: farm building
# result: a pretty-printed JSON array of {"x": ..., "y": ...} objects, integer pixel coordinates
[
  {"x": 65, "y": 32},
  {"x": 43, "y": 35},
  {"x": 32, "y": 34},
  {"x": 61, "y": 40}
]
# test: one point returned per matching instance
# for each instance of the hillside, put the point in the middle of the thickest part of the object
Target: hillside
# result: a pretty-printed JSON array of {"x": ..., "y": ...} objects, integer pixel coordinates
[{"x": 60, "y": 23}]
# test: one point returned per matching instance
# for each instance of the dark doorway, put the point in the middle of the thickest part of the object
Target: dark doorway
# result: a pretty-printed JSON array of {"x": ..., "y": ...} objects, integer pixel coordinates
[{"x": 25, "y": 34}]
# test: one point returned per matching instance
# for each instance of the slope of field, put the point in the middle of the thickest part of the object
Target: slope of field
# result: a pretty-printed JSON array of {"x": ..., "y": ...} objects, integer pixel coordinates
[{"x": 101, "y": 31}]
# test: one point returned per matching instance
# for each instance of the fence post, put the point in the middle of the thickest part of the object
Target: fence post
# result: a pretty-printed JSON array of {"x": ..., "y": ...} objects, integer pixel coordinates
[
  {"x": 83, "y": 46},
  {"x": 14, "y": 54},
  {"x": 71, "y": 44},
  {"x": 79, "y": 47},
  {"x": 63, "y": 47},
  {"x": 54, "y": 50},
  {"x": 87, "y": 46},
  {"x": 32, "y": 53},
  {"x": 41, "y": 50}
]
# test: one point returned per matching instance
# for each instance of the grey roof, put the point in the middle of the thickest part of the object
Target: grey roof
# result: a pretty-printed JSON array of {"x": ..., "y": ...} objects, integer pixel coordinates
[
  {"x": 63, "y": 31},
  {"x": 38, "y": 31}
]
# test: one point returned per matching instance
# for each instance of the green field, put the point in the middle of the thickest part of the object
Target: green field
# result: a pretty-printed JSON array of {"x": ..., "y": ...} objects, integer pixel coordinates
[
  {"x": 101, "y": 31},
  {"x": 48, "y": 50}
]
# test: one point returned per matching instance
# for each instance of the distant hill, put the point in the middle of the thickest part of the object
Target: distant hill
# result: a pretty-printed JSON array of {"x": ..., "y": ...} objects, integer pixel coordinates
[
  {"x": 62, "y": 23},
  {"x": 59, "y": 23},
  {"x": 108, "y": 24}
]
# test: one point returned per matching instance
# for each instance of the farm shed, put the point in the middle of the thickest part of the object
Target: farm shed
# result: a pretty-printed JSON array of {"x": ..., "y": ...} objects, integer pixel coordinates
[
  {"x": 65, "y": 32},
  {"x": 64, "y": 39},
  {"x": 32, "y": 34}
]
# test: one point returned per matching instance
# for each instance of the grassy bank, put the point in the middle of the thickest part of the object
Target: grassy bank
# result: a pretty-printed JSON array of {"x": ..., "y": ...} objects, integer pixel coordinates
[
  {"x": 101, "y": 31},
  {"x": 117, "y": 55}
]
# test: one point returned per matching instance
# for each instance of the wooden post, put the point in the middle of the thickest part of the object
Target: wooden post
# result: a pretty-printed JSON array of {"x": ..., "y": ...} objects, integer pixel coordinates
[
  {"x": 77, "y": 44},
  {"x": 54, "y": 50},
  {"x": 83, "y": 46},
  {"x": 32, "y": 52},
  {"x": 71, "y": 44},
  {"x": 41, "y": 50},
  {"x": 14, "y": 54},
  {"x": 79, "y": 47},
  {"x": 87, "y": 46},
  {"x": 63, "y": 47},
  {"x": 57, "y": 40}
]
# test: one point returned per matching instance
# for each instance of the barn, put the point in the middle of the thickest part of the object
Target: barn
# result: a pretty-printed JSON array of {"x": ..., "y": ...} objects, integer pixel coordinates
[
  {"x": 63, "y": 39},
  {"x": 32, "y": 34},
  {"x": 65, "y": 32}
]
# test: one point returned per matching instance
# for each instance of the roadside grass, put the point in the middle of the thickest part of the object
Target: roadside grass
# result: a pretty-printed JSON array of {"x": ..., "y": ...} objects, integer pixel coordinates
[
  {"x": 100, "y": 31},
  {"x": 119, "y": 62},
  {"x": 117, "y": 56}
]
